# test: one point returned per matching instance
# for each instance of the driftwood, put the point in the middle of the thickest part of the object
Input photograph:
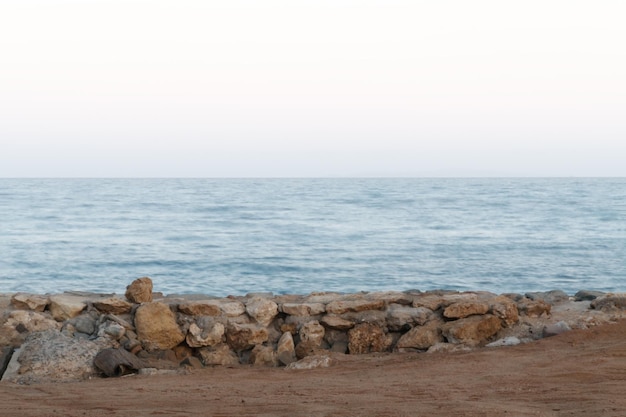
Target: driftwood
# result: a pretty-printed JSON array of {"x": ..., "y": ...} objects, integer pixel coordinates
[{"x": 117, "y": 362}]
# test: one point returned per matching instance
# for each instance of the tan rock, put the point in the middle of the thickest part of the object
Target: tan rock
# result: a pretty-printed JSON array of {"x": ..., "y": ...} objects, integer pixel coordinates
[
  {"x": 303, "y": 309},
  {"x": 32, "y": 302},
  {"x": 263, "y": 356},
  {"x": 312, "y": 332},
  {"x": 535, "y": 308},
  {"x": 304, "y": 349},
  {"x": 199, "y": 337},
  {"x": 286, "y": 350},
  {"x": 245, "y": 336},
  {"x": 392, "y": 297},
  {"x": 610, "y": 302},
  {"x": 64, "y": 307},
  {"x": 232, "y": 308},
  {"x": 218, "y": 355},
  {"x": 420, "y": 337},
  {"x": 262, "y": 310},
  {"x": 429, "y": 301},
  {"x": 505, "y": 309},
  {"x": 113, "y": 305},
  {"x": 140, "y": 291},
  {"x": 344, "y": 306},
  {"x": 463, "y": 309},
  {"x": 472, "y": 330},
  {"x": 376, "y": 317},
  {"x": 156, "y": 327},
  {"x": 400, "y": 316},
  {"x": 335, "y": 322},
  {"x": 366, "y": 338},
  {"x": 200, "y": 308}
]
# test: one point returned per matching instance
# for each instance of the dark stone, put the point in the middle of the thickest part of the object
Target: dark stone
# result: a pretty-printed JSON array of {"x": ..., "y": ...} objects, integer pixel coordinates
[
  {"x": 5, "y": 358},
  {"x": 585, "y": 295},
  {"x": 550, "y": 297},
  {"x": 192, "y": 362},
  {"x": 117, "y": 362}
]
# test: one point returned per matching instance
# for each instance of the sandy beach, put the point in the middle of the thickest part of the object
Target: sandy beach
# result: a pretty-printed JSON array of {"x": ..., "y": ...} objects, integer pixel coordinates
[{"x": 578, "y": 373}]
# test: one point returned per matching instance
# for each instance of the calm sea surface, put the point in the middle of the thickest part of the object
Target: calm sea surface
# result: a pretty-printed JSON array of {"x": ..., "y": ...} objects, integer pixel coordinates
[{"x": 227, "y": 236}]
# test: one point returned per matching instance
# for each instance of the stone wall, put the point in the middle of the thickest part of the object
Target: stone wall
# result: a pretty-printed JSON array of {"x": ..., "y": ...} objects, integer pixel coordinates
[{"x": 147, "y": 330}]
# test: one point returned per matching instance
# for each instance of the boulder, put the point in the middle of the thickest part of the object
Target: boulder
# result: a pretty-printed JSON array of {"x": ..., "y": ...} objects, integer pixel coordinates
[
  {"x": 464, "y": 309},
  {"x": 32, "y": 302},
  {"x": 366, "y": 338},
  {"x": 610, "y": 302},
  {"x": 531, "y": 308},
  {"x": 420, "y": 337},
  {"x": 263, "y": 356},
  {"x": 401, "y": 317},
  {"x": 200, "y": 308},
  {"x": 472, "y": 330},
  {"x": 262, "y": 310},
  {"x": 220, "y": 355},
  {"x": 303, "y": 309},
  {"x": 336, "y": 322},
  {"x": 52, "y": 356},
  {"x": 392, "y": 297},
  {"x": 200, "y": 337},
  {"x": 588, "y": 295},
  {"x": 376, "y": 317},
  {"x": 307, "y": 348},
  {"x": 117, "y": 362},
  {"x": 345, "y": 306},
  {"x": 245, "y": 336},
  {"x": 83, "y": 324},
  {"x": 312, "y": 362},
  {"x": 549, "y": 297},
  {"x": 156, "y": 327},
  {"x": 64, "y": 307},
  {"x": 113, "y": 305},
  {"x": 312, "y": 332},
  {"x": 140, "y": 291},
  {"x": 505, "y": 309},
  {"x": 432, "y": 302},
  {"x": 286, "y": 351}
]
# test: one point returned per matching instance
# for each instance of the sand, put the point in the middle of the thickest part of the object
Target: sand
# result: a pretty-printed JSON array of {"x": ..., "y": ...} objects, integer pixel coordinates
[{"x": 579, "y": 373}]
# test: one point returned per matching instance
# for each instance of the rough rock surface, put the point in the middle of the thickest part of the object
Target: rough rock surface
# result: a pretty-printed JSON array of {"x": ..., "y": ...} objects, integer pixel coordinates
[
  {"x": 472, "y": 330},
  {"x": 400, "y": 317},
  {"x": 303, "y": 309},
  {"x": 156, "y": 327},
  {"x": 263, "y": 356},
  {"x": 199, "y": 337},
  {"x": 64, "y": 307},
  {"x": 262, "y": 310},
  {"x": 245, "y": 336},
  {"x": 344, "y": 306},
  {"x": 286, "y": 350},
  {"x": 140, "y": 291},
  {"x": 200, "y": 308},
  {"x": 420, "y": 337},
  {"x": 312, "y": 362},
  {"x": 366, "y": 338},
  {"x": 220, "y": 355},
  {"x": 113, "y": 305},
  {"x": 464, "y": 309},
  {"x": 312, "y": 333},
  {"x": 33, "y": 302}
]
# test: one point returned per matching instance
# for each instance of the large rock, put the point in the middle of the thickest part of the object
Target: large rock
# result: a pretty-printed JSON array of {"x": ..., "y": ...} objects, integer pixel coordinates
[
  {"x": 52, "y": 356},
  {"x": 245, "y": 336},
  {"x": 117, "y": 362},
  {"x": 140, "y": 291},
  {"x": 463, "y": 309},
  {"x": 30, "y": 301},
  {"x": 263, "y": 356},
  {"x": 400, "y": 317},
  {"x": 366, "y": 338},
  {"x": 303, "y": 309},
  {"x": 312, "y": 333},
  {"x": 262, "y": 310},
  {"x": 610, "y": 302},
  {"x": 200, "y": 337},
  {"x": 505, "y": 309},
  {"x": 220, "y": 355},
  {"x": 113, "y": 305},
  {"x": 200, "y": 308},
  {"x": 472, "y": 330},
  {"x": 532, "y": 308},
  {"x": 64, "y": 307},
  {"x": 336, "y": 322},
  {"x": 156, "y": 327},
  {"x": 550, "y": 297},
  {"x": 420, "y": 337},
  {"x": 345, "y": 306},
  {"x": 286, "y": 350}
]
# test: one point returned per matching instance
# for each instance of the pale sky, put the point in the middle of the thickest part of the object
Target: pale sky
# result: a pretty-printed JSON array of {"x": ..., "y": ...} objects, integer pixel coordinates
[{"x": 269, "y": 88}]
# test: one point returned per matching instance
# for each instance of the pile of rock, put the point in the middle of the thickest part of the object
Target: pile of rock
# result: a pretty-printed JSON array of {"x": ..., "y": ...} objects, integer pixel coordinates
[{"x": 61, "y": 337}]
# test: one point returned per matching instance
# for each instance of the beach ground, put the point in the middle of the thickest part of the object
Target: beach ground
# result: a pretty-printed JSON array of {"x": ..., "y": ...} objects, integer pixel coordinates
[{"x": 578, "y": 373}]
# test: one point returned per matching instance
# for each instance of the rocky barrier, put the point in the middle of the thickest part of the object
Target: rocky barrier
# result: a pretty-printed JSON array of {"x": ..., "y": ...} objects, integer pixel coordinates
[{"x": 75, "y": 336}]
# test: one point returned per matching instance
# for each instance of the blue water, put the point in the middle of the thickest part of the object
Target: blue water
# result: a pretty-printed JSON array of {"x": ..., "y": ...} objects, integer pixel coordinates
[{"x": 234, "y": 236}]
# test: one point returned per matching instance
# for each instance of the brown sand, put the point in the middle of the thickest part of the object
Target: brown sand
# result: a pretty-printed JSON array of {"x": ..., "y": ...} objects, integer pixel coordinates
[{"x": 580, "y": 373}]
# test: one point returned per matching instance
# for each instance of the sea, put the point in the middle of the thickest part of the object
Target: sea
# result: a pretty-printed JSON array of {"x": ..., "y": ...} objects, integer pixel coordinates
[{"x": 237, "y": 236}]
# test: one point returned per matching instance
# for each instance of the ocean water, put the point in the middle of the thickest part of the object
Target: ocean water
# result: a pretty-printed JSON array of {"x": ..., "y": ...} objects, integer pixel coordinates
[{"x": 235, "y": 236}]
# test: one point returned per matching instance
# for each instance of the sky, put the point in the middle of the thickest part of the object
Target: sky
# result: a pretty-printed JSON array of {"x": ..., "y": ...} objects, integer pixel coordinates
[{"x": 298, "y": 88}]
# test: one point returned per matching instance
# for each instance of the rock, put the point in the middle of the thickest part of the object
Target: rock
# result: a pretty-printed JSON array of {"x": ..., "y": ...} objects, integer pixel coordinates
[
  {"x": 113, "y": 305},
  {"x": 5, "y": 357},
  {"x": 64, "y": 307},
  {"x": 448, "y": 348},
  {"x": 84, "y": 324},
  {"x": 200, "y": 308},
  {"x": 218, "y": 355},
  {"x": 192, "y": 362},
  {"x": 156, "y": 327},
  {"x": 344, "y": 306},
  {"x": 199, "y": 337},
  {"x": 304, "y": 349},
  {"x": 30, "y": 321},
  {"x": 586, "y": 295},
  {"x": 232, "y": 308},
  {"x": 114, "y": 330},
  {"x": 263, "y": 356},
  {"x": 610, "y": 302},
  {"x": 366, "y": 338},
  {"x": 11, "y": 372},
  {"x": 555, "y": 329},
  {"x": 376, "y": 317},
  {"x": 464, "y": 309},
  {"x": 32, "y": 302},
  {"x": 245, "y": 336},
  {"x": 303, "y": 309},
  {"x": 52, "y": 356},
  {"x": 420, "y": 337},
  {"x": 549, "y": 297},
  {"x": 312, "y": 332},
  {"x": 286, "y": 351},
  {"x": 507, "y": 341},
  {"x": 534, "y": 308},
  {"x": 117, "y": 362},
  {"x": 140, "y": 291},
  {"x": 262, "y": 310},
  {"x": 312, "y": 362},
  {"x": 505, "y": 309},
  {"x": 335, "y": 322},
  {"x": 430, "y": 301},
  {"x": 392, "y": 297},
  {"x": 472, "y": 330},
  {"x": 401, "y": 317}
]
